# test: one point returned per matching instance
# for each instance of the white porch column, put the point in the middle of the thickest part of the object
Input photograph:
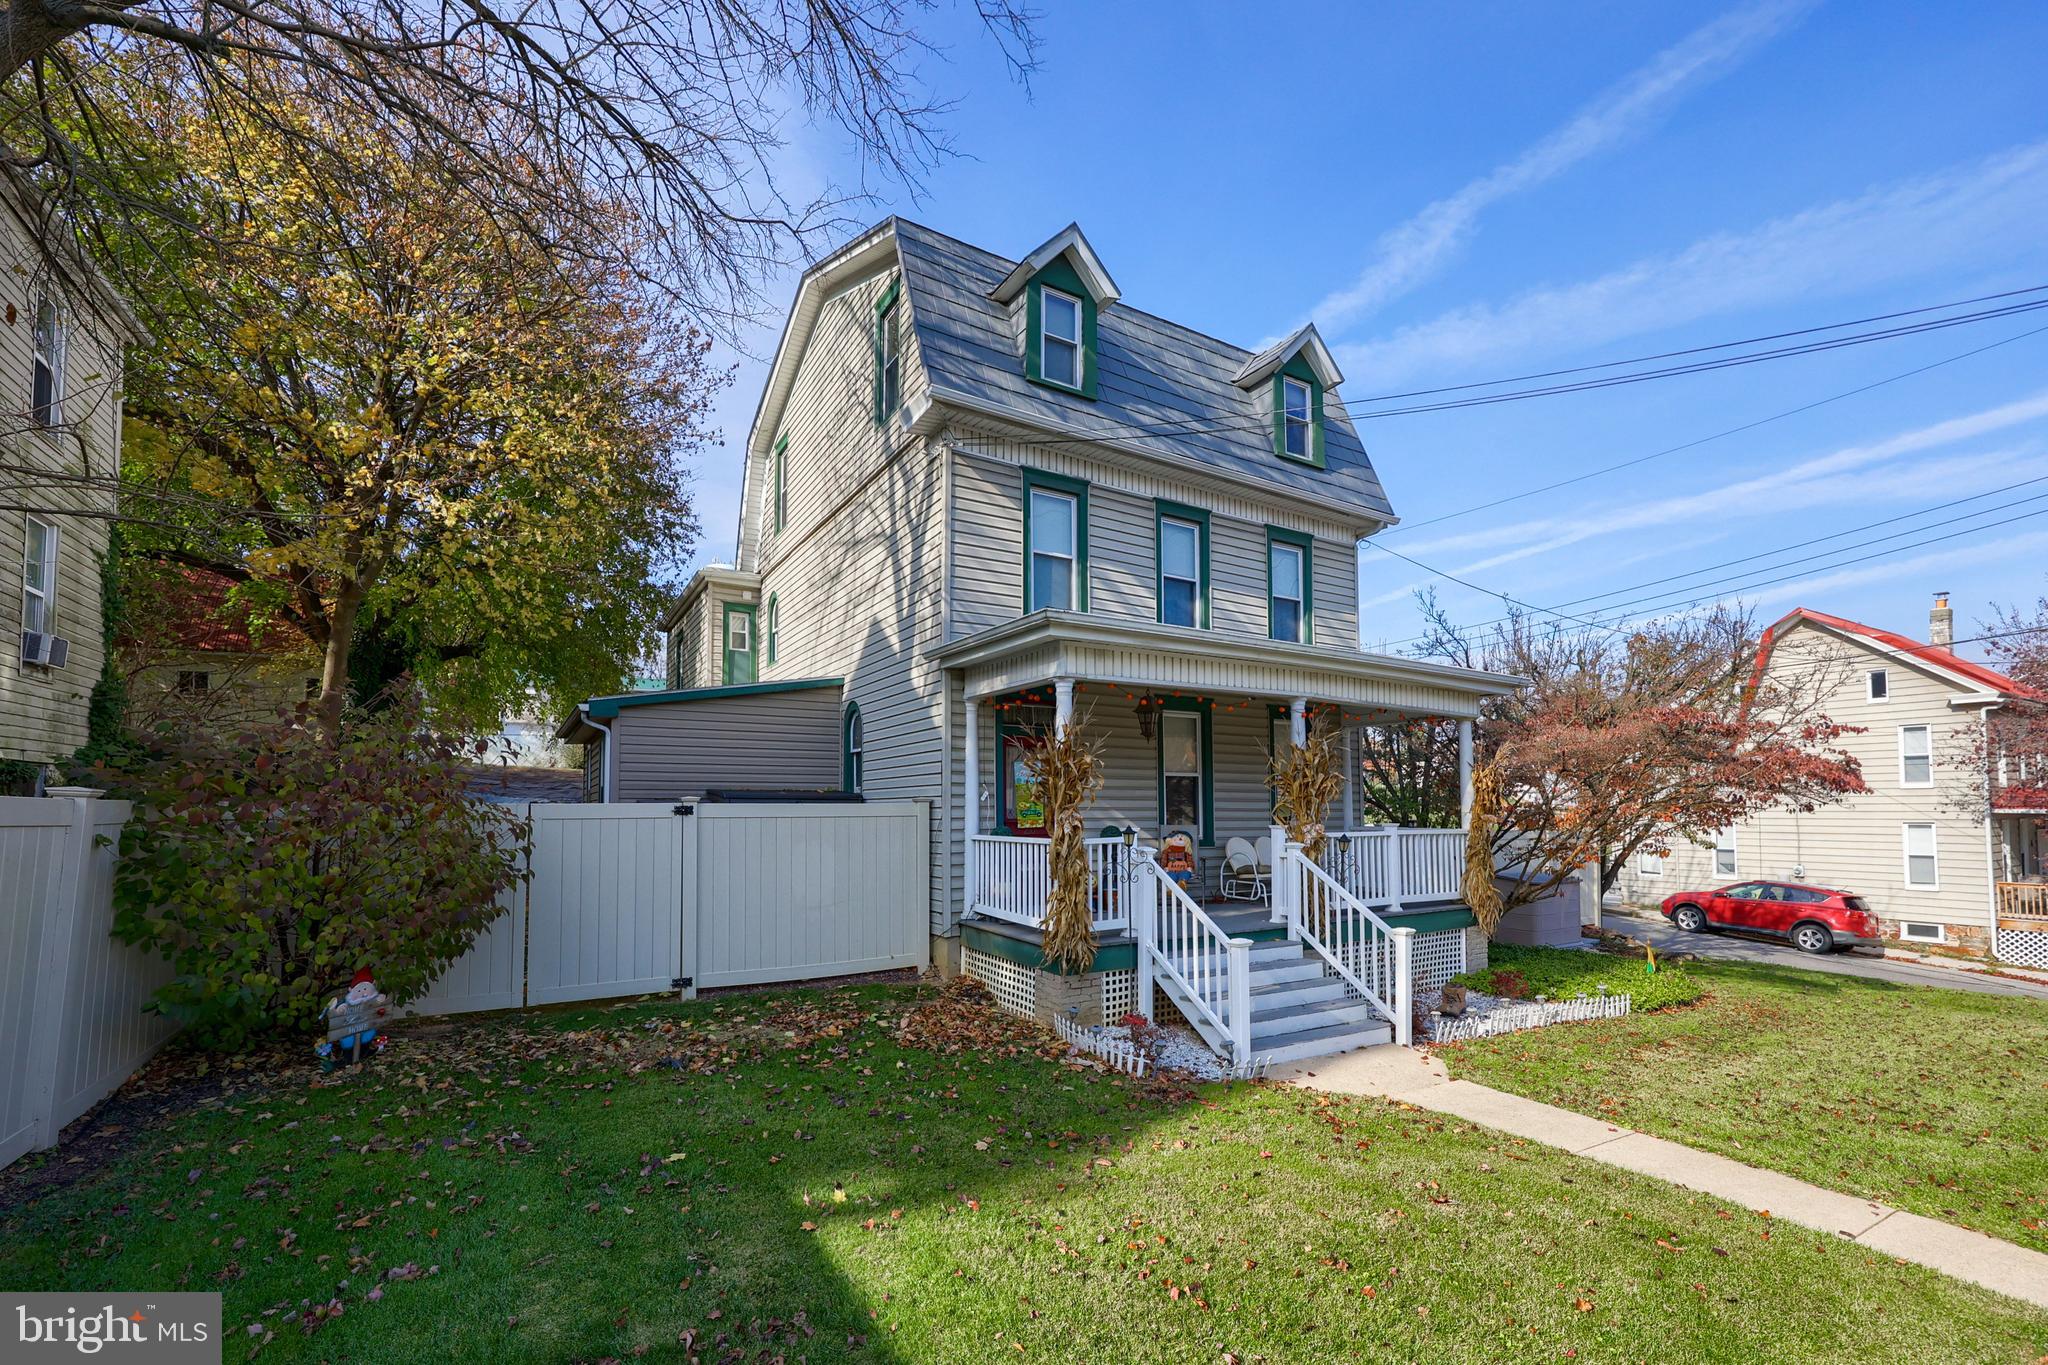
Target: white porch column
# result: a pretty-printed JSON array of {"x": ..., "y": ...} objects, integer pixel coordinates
[
  {"x": 970, "y": 795},
  {"x": 1063, "y": 704},
  {"x": 1464, "y": 774},
  {"x": 1297, "y": 721}
]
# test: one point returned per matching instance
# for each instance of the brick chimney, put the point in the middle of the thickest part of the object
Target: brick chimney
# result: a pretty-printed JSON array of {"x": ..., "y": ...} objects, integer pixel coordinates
[{"x": 1941, "y": 622}]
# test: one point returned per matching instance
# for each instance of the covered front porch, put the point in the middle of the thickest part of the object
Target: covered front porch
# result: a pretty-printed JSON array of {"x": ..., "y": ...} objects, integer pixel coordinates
[{"x": 1187, "y": 727}]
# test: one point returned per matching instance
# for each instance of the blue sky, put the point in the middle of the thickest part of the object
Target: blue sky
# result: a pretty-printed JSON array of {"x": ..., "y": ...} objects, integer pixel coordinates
[{"x": 1462, "y": 193}]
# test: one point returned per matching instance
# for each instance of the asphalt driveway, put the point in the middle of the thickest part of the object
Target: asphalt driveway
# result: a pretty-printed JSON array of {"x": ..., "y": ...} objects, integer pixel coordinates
[{"x": 1737, "y": 947}]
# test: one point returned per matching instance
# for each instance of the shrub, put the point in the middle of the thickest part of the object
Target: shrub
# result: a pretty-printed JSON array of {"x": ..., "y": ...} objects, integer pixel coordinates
[
  {"x": 1562, "y": 973},
  {"x": 269, "y": 866}
]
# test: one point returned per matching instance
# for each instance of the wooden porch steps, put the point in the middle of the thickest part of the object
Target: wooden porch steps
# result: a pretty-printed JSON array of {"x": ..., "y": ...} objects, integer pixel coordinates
[{"x": 1298, "y": 1011}]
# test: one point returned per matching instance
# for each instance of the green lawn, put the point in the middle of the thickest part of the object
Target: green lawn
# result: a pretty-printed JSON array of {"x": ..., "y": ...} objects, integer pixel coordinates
[
  {"x": 1933, "y": 1100},
  {"x": 780, "y": 1175}
]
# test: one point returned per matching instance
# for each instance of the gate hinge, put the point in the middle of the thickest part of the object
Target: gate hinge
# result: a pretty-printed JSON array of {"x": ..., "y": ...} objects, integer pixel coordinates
[{"x": 682, "y": 983}]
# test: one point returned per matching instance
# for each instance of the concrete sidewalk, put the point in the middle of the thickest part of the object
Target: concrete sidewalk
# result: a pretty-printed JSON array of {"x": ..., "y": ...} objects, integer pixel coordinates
[{"x": 1416, "y": 1078}]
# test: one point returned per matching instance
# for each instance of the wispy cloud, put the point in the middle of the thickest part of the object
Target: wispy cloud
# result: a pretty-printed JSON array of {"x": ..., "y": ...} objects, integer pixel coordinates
[
  {"x": 1883, "y": 472},
  {"x": 2007, "y": 549},
  {"x": 1969, "y": 214},
  {"x": 1409, "y": 253}
]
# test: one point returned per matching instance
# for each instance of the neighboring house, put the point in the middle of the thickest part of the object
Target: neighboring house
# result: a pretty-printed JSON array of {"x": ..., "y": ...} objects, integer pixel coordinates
[
  {"x": 1936, "y": 872},
  {"x": 63, "y": 332},
  {"x": 982, "y": 495},
  {"x": 194, "y": 656}
]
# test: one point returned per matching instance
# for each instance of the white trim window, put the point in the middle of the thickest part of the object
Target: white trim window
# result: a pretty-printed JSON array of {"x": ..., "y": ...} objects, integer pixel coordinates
[
  {"x": 1059, "y": 337},
  {"x": 46, "y": 374},
  {"x": 1916, "y": 756},
  {"x": 1055, "y": 549},
  {"x": 1649, "y": 864},
  {"x": 1180, "y": 572},
  {"x": 1724, "y": 854},
  {"x": 1878, "y": 685},
  {"x": 1916, "y": 931},
  {"x": 1923, "y": 863},
  {"x": 1284, "y": 573},
  {"x": 1297, "y": 419},
  {"x": 1180, "y": 771},
  {"x": 40, "y": 540}
]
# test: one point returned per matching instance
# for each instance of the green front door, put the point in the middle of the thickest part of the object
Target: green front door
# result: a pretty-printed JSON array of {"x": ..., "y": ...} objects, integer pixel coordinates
[{"x": 739, "y": 644}]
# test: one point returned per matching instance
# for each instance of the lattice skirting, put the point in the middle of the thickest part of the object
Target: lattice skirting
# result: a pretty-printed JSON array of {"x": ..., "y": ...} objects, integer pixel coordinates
[
  {"x": 1013, "y": 985},
  {"x": 2020, "y": 947},
  {"x": 1119, "y": 995},
  {"x": 1439, "y": 956}
]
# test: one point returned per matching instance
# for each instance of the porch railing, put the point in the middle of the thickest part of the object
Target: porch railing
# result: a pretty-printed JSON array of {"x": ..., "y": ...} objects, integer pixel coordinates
[
  {"x": 1206, "y": 971},
  {"x": 2023, "y": 900},
  {"x": 1011, "y": 879},
  {"x": 1388, "y": 866},
  {"x": 1374, "y": 958}
]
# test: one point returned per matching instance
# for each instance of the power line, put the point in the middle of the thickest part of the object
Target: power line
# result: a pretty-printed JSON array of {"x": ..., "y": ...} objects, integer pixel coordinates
[{"x": 1704, "y": 440}]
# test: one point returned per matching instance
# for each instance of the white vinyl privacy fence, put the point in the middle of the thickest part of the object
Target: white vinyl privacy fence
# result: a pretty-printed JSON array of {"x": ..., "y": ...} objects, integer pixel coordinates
[
  {"x": 628, "y": 899},
  {"x": 71, "y": 1021}
]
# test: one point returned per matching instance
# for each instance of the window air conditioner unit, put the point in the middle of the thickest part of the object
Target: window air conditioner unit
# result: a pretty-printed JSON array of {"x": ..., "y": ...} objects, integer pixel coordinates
[{"x": 41, "y": 648}]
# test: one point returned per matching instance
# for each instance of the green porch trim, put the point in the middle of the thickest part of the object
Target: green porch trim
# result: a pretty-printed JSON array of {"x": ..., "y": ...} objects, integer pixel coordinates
[
  {"x": 1078, "y": 490},
  {"x": 605, "y": 707},
  {"x": 1432, "y": 921},
  {"x": 1280, "y": 535},
  {"x": 1205, "y": 709},
  {"x": 1061, "y": 275},
  {"x": 751, "y": 654},
  {"x": 1161, "y": 510},
  {"x": 1112, "y": 957},
  {"x": 1300, "y": 370}
]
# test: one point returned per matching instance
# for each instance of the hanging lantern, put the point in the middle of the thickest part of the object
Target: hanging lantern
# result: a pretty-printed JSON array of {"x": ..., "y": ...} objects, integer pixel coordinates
[{"x": 1148, "y": 720}]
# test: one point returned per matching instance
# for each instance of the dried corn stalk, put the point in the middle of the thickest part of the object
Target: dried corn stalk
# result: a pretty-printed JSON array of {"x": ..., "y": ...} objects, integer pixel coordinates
[
  {"x": 1068, "y": 771},
  {"x": 1306, "y": 778},
  {"x": 1482, "y": 892}
]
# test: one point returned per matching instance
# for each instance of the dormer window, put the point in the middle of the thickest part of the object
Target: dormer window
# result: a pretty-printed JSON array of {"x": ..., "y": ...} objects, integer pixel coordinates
[
  {"x": 1297, "y": 418},
  {"x": 1059, "y": 338},
  {"x": 889, "y": 353}
]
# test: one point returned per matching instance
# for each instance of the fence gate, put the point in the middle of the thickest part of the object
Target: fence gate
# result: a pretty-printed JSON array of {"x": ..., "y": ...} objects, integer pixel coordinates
[{"x": 602, "y": 909}]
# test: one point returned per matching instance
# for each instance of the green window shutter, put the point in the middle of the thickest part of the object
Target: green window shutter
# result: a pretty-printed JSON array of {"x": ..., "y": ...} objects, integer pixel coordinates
[{"x": 774, "y": 623}]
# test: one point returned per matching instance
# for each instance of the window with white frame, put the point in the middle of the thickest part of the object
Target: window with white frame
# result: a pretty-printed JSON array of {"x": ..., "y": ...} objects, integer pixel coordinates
[
  {"x": 194, "y": 682},
  {"x": 39, "y": 577},
  {"x": 1880, "y": 684},
  {"x": 1284, "y": 568},
  {"x": 1649, "y": 864},
  {"x": 1297, "y": 412},
  {"x": 1923, "y": 869},
  {"x": 1724, "y": 853},
  {"x": 1916, "y": 756},
  {"x": 46, "y": 395},
  {"x": 1283, "y": 742},
  {"x": 1180, "y": 571},
  {"x": 1180, "y": 770},
  {"x": 853, "y": 758},
  {"x": 1059, "y": 337},
  {"x": 1055, "y": 549},
  {"x": 1923, "y": 933}
]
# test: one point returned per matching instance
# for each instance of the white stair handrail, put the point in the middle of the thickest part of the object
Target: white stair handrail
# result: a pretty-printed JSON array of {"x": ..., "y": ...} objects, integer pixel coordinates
[
  {"x": 1375, "y": 958},
  {"x": 1208, "y": 972}
]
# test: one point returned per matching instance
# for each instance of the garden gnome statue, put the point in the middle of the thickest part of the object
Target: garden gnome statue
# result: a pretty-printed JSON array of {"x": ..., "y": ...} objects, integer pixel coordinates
[{"x": 352, "y": 1022}]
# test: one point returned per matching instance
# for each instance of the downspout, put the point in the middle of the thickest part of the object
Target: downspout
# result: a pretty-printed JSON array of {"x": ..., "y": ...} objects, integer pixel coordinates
[{"x": 604, "y": 781}]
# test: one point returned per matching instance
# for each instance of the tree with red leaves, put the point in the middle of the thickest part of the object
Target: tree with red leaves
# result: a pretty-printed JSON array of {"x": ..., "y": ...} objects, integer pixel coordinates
[
  {"x": 1629, "y": 742},
  {"x": 2005, "y": 761}
]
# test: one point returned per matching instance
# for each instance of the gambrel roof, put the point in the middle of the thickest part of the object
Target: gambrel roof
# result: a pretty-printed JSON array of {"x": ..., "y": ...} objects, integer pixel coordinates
[{"x": 1162, "y": 388}]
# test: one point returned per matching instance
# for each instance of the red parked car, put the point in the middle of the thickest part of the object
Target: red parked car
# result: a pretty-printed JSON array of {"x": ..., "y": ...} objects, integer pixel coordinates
[{"x": 1814, "y": 918}]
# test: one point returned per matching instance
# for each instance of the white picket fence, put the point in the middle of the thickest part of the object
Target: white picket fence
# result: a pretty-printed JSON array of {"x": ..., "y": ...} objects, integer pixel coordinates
[
  {"x": 626, "y": 899},
  {"x": 623, "y": 900},
  {"x": 71, "y": 998}
]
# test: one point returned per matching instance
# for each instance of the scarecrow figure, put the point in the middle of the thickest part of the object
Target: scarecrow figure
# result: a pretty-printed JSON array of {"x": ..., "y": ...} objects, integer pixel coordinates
[{"x": 352, "y": 1022}]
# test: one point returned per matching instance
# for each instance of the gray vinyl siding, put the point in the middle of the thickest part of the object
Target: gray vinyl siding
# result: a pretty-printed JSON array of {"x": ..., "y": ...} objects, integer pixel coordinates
[
  {"x": 988, "y": 544},
  {"x": 43, "y": 710},
  {"x": 857, "y": 569},
  {"x": 1858, "y": 845},
  {"x": 672, "y": 751}
]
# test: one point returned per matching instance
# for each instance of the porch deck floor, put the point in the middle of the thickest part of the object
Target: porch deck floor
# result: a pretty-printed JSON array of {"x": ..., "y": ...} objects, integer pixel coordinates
[{"x": 1239, "y": 919}]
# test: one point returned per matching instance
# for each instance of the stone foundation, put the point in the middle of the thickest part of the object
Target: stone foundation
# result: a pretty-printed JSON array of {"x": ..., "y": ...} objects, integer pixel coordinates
[
  {"x": 1972, "y": 939},
  {"x": 946, "y": 955},
  {"x": 1057, "y": 993},
  {"x": 1475, "y": 948}
]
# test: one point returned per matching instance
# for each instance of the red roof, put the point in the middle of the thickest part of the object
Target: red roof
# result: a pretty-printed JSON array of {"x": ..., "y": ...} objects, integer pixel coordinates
[
  {"x": 189, "y": 610},
  {"x": 1932, "y": 655}
]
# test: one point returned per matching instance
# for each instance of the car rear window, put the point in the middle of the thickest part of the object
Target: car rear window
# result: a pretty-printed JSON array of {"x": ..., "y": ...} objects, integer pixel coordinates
[{"x": 1854, "y": 902}]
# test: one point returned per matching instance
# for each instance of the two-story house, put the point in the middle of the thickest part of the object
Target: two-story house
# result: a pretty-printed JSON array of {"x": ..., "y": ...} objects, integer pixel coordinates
[
  {"x": 1937, "y": 847},
  {"x": 984, "y": 496},
  {"x": 63, "y": 331}
]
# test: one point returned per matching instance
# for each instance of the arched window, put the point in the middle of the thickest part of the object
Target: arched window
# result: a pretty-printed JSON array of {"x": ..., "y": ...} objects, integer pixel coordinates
[
  {"x": 768, "y": 636},
  {"x": 853, "y": 749}
]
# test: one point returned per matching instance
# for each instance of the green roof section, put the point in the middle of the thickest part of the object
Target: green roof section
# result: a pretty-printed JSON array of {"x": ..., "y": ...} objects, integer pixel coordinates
[{"x": 604, "y": 708}]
